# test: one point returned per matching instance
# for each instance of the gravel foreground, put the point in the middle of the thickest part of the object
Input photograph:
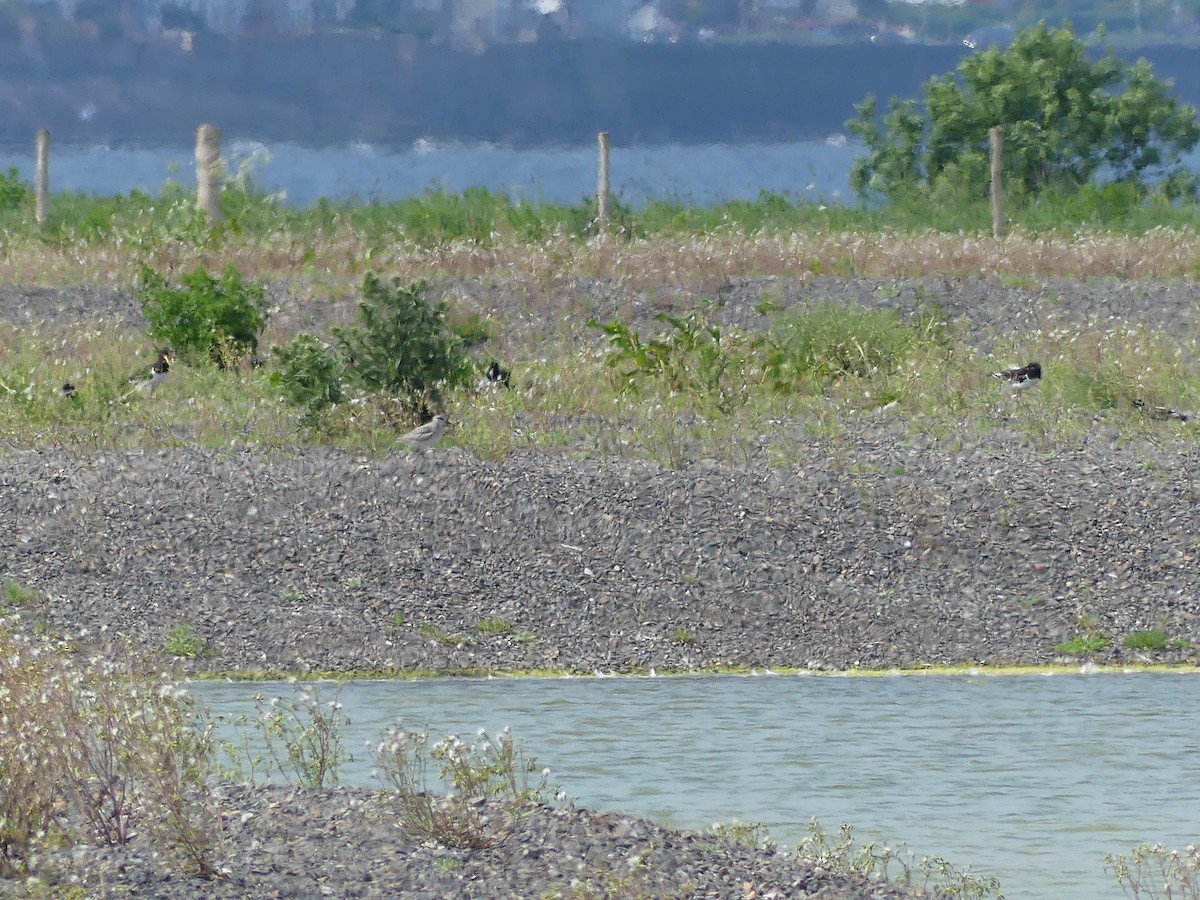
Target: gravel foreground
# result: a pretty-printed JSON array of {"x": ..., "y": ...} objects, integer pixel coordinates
[
  {"x": 884, "y": 549},
  {"x": 889, "y": 552}
]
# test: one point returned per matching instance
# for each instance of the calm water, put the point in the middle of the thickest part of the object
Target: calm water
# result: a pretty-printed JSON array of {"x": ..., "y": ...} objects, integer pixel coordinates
[
  {"x": 700, "y": 175},
  {"x": 1030, "y": 778}
]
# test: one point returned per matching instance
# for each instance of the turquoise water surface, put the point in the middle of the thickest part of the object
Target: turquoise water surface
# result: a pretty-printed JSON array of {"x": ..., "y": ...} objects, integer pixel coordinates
[{"x": 1031, "y": 778}]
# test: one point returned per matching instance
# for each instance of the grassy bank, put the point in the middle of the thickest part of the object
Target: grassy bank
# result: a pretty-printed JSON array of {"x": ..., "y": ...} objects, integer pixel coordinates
[
  {"x": 691, "y": 388},
  {"x": 676, "y": 388}
]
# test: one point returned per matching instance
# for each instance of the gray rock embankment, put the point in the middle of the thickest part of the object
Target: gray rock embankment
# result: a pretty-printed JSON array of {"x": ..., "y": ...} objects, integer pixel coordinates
[{"x": 884, "y": 549}]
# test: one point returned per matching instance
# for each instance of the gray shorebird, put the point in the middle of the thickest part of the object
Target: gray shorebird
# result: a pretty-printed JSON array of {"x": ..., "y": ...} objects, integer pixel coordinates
[{"x": 425, "y": 436}]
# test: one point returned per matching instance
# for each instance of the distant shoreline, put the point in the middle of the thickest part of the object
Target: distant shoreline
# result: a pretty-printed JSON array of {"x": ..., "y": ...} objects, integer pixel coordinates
[{"x": 332, "y": 89}]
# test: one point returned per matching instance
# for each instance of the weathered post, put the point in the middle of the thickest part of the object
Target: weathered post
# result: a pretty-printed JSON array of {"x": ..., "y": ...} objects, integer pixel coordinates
[
  {"x": 41, "y": 178},
  {"x": 208, "y": 171},
  {"x": 997, "y": 141},
  {"x": 602, "y": 187}
]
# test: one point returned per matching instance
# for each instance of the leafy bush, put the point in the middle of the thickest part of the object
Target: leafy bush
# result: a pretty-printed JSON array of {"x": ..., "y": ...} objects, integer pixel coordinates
[
  {"x": 930, "y": 876},
  {"x": 220, "y": 317},
  {"x": 691, "y": 358},
  {"x": 402, "y": 344},
  {"x": 302, "y": 738},
  {"x": 14, "y": 193},
  {"x": 309, "y": 375},
  {"x": 1151, "y": 871}
]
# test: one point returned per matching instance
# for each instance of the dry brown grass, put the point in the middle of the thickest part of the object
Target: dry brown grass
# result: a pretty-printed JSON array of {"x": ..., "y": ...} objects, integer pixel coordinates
[{"x": 335, "y": 261}]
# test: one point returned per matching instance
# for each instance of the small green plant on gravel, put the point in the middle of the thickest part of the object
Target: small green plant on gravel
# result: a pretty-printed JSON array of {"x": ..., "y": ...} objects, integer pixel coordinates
[
  {"x": 219, "y": 317},
  {"x": 442, "y": 636},
  {"x": 477, "y": 773},
  {"x": 1082, "y": 645},
  {"x": 1152, "y": 639},
  {"x": 493, "y": 625},
  {"x": 682, "y": 636},
  {"x": 181, "y": 643},
  {"x": 1152, "y": 872},
  {"x": 751, "y": 835},
  {"x": 302, "y": 737},
  {"x": 17, "y": 594},
  {"x": 929, "y": 874},
  {"x": 832, "y": 341}
]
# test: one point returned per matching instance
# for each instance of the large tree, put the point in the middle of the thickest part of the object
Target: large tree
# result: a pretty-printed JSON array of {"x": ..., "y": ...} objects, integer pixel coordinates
[{"x": 1066, "y": 120}]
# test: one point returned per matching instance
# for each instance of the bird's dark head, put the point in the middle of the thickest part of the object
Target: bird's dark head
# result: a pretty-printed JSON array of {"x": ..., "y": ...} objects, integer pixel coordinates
[{"x": 1035, "y": 370}]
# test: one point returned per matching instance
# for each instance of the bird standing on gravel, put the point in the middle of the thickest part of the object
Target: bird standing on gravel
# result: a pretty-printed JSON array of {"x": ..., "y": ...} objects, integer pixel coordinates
[
  {"x": 1022, "y": 377},
  {"x": 425, "y": 436},
  {"x": 148, "y": 381}
]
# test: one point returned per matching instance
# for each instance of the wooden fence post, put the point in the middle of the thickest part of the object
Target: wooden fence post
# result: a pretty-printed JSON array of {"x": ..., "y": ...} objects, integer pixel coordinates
[
  {"x": 41, "y": 178},
  {"x": 997, "y": 141},
  {"x": 602, "y": 187},
  {"x": 209, "y": 171}
]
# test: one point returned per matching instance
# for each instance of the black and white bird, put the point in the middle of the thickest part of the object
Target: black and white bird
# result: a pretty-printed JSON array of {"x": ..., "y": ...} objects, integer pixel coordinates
[
  {"x": 149, "y": 380},
  {"x": 493, "y": 378},
  {"x": 425, "y": 436},
  {"x": 1018, "y": 378},
  {"x": 69, "y": 391}
]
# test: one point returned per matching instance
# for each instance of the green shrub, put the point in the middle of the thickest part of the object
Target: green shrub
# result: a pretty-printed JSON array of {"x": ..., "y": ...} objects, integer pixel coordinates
[
  {"x": 691, "y": 358},
  {"x": 309, "y": 375},
  {"x": 302, "y": 737},
  {"x": 1152, "y": 870},
  {"x": 220, "y": 317},
  {"x": 96, "y": 752},
  {"x": 14, "y": 193},
  {"x": 402, "y": 344}
]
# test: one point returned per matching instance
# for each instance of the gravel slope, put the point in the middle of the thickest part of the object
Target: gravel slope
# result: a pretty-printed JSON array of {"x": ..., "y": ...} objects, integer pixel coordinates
[{"x": 890, "y": 552}]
